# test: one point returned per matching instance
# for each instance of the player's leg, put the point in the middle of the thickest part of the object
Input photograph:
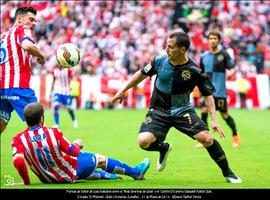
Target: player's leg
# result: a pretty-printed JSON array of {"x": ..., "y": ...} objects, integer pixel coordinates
[
  {"x": 151, "y": 137},
  {"x": 100, "y": 174},
  {"x": 117, "y": 167},
  {"x": 3, "y": 125},
  {"x": 204, "y": 117},
  {"x": 68, "y": 105},
  {"x": 221, "y": 105},
  {"x": 18, "y": 99},
  {"x": 204, "y": 113},
  {"x": 231, "y": 123},
  {"x": 56, "y": 106},
  {"x": 5, "y": 111},
  {"x": 191, "y": 124},
  {"x": 217, "y": 154}
]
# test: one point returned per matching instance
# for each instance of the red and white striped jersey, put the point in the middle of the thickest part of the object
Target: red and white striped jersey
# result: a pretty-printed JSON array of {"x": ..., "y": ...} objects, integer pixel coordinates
[
  {"x": 62, "y": 80},
  {"x": 15, "y": 62},
  {"x": 48, "y": 153}
]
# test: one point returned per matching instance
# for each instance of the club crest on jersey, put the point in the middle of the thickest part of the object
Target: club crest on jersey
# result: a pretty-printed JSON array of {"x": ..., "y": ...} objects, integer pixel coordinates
[
  {"x": 147, "y": 120},
  {"x": 220, "y": 58},
  {"x": 185, "y": 75}
]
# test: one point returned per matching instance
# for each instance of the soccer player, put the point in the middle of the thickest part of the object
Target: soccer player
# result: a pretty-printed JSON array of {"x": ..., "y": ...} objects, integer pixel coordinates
[
  {"x": 215, "y": 63},
  {"x": 53, "y": 159},
  {"x": 16, "y": 51},
  {"x": 176, "y": 77},
  {"x": 61, "y": 94}
]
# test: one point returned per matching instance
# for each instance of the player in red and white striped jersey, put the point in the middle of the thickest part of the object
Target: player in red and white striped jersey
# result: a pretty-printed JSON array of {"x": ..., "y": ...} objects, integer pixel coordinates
[
  {"x": 53, "y": 159},
  {"x": 16, "y": 51},
  {"x": 61, "y": 94}
]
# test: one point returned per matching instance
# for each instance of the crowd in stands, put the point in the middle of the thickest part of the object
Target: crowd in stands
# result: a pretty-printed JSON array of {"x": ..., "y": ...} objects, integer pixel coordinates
[{"x": 119, "y": 37}]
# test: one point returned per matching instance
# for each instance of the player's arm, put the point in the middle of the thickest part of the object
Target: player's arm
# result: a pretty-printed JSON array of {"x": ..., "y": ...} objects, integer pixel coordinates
[
  {"x": 19, "y": 164},
  {"x": 18, "y": 161},
  {"x": 230, "y": 65},
  {"x": 32, "y": 49},
  {"x": 210, "y": 103},
  {"x": 134, "y": 80},
  {"x": 230, "y": 73},
  {"x": 72, "y": 149},
  {"x": 53, "y": 82}
]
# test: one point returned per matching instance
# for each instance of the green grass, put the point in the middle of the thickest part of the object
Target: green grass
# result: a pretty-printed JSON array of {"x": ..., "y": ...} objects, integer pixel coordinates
[{"x": 114, "y": 133}]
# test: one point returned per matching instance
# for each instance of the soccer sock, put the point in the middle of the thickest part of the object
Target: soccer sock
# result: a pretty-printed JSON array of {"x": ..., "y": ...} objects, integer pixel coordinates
[
  {"x": 231, "y": 124},
  {"x": 155, "y": 146},
  {"x": 71, "y": 113},
  {"x": 218, "y": 155},
  {"x": 56, "y": 115},
  {"x": 204, "y": 117},
  {"x": 118, "y": 167},
  {"x": 99, "y": 174}
]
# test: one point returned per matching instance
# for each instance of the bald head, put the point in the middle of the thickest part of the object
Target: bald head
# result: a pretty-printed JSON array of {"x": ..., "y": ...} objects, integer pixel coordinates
[{"x": 33, "y": 113}]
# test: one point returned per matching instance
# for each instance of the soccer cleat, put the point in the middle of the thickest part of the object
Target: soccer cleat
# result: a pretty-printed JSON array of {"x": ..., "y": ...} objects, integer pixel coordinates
[
  {"x": 231, "y": 178},
  {"x": 143, "y": 167},
  {"x": 199, "y": 145},
  {"x": 161, "y": 163},
  {"x": 75, "y": 124},
  {"x": 236, "y": 141}
]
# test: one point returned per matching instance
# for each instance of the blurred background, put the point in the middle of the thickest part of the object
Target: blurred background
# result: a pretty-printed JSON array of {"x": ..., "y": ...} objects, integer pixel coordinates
[{"x": 116, "y": 38}]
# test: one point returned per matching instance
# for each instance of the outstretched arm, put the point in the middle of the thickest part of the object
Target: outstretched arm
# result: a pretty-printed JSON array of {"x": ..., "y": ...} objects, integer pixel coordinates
[
  {"x": 134, "y": 80},
  {"x": 31, "y": 48},
  {"x": 210, "y": 103}
]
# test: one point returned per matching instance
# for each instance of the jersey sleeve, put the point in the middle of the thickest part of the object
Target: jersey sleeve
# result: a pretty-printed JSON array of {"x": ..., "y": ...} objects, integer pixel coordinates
[
  {"x": 229, "y": 61},
  {"x": 149, "y": 69},
  {"x": 25, "y": 33},
  {"x": 201, "y": 64},
  {"x": 66, "y": 146},
  {"x": 204, "y": 84}
]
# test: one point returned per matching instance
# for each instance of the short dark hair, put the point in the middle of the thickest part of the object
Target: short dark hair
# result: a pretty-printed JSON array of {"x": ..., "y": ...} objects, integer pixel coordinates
[
  {"x": 32, "y": 113},
  {"x": 182, "y": 39},
  {"x": 215, "y": 33},
  {"x": 24, "y": 10}
]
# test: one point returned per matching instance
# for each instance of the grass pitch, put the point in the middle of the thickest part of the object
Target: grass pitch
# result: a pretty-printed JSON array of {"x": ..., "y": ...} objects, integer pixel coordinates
[{"x": 114, "y": 133}]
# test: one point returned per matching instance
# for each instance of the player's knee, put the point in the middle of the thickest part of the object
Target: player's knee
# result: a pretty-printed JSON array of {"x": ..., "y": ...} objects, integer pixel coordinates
[
  {"x": 144, "y": 140},
  {"x": 101, "y": 160},
  {"x": 204, "y": 138},
  {"x": 207, "y": 141}
]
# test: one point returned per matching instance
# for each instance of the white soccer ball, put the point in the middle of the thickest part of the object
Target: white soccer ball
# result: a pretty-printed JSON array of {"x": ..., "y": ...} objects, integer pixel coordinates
[{"x": 68, "y": 55}]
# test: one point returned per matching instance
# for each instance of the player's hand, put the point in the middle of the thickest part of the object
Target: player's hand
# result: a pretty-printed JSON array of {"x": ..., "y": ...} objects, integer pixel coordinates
[
  {"x": 79, "y": 142},
  {"x": 41, "y": 60},
  {"x": 216, "y": 128},
  {"x": 118, "y": 97}
]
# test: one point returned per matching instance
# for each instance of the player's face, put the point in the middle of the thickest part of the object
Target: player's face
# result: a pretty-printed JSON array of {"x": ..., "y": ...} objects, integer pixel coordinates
[
  {"x": 28, "y": 19},
  {"x": 213, "y": 41},
  {"x": 172, "y": 49}
]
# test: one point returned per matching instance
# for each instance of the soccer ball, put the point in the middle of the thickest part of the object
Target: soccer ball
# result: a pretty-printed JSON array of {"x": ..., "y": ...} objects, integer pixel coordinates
[{"x": 68, "y": 55}]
